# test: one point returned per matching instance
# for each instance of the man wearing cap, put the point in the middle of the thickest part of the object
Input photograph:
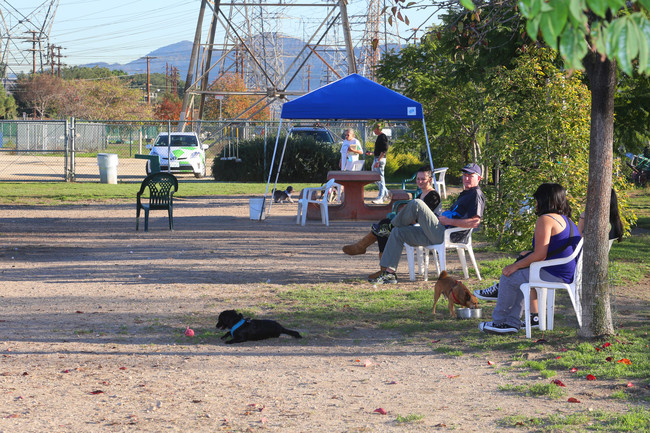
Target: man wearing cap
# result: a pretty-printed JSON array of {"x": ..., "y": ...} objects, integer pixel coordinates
[{"x": 466, "y": 212}]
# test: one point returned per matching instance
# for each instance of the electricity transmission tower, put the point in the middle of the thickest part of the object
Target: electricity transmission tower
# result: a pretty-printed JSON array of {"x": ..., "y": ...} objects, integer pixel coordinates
[
  {"x": 24, "y": 37},
  {"x": 277, "y": 52}
]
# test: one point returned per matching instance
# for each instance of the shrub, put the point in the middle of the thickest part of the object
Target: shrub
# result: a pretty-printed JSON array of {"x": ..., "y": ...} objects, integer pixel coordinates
[{"x": 305, "y": 160}]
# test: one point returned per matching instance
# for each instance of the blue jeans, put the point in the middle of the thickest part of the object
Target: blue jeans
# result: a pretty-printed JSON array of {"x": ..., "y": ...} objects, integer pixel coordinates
[
  {"x": 429, "y": 231},
  {"x": 510, "y": 302},
  {"x": 381, "y": 184}
]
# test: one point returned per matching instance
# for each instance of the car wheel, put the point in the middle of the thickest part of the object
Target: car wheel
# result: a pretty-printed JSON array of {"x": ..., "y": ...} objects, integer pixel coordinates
[{"x": 201, "y": 173}]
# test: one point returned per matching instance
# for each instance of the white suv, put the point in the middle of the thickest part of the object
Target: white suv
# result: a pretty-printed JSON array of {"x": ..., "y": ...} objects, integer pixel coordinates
[{"x": 187, "y": 153}]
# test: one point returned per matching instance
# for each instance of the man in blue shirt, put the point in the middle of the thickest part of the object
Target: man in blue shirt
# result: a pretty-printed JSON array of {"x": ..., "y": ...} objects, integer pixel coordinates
[{"x": 466, "y": 211}]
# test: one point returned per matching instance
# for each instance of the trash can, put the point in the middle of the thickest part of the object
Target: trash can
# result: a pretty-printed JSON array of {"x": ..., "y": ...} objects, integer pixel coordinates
[
  {"x": 107, "y": 163},
  {"x": 256, "y": 205}
]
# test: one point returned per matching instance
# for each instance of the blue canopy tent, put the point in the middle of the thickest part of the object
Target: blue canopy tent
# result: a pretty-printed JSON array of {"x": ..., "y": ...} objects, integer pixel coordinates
[{"x": 350, "y": 98}]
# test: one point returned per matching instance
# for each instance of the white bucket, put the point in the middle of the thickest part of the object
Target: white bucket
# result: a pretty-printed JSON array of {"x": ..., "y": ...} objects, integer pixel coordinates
[
  {"x": 256, "y": 205},
  {"x": 107, "y": 163}
]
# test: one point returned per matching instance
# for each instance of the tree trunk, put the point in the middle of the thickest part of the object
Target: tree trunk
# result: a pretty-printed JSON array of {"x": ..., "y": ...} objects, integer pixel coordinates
[{"x": 596, "y": 311}]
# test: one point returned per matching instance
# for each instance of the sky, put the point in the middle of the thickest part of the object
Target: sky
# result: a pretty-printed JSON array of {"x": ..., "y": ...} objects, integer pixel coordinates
[{"x": 120, "y": 31}]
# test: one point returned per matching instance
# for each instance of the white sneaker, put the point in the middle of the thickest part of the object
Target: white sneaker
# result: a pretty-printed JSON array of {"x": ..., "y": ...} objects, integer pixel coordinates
[{"x": 378, "y": 201}]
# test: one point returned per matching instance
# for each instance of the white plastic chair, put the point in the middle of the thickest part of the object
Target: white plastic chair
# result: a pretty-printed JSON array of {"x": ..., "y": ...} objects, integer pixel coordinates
[
  {"x": 320, "y": 196},
  {"x": 546, "y": 291},
  {"x": 441, "y": 254},
  {"x": 439, "y": 180}
]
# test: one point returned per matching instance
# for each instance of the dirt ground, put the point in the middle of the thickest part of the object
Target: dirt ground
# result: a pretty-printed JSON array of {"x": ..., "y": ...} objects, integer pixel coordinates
[{"x": 92, "y": 315}]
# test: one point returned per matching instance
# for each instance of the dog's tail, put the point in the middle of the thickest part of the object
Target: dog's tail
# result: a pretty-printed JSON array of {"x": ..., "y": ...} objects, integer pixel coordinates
[{"x": 294, "y": 334}]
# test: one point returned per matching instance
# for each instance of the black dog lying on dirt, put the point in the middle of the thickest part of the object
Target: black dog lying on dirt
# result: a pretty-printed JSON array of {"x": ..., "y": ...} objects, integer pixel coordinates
[{"x": 250, "y": 329}]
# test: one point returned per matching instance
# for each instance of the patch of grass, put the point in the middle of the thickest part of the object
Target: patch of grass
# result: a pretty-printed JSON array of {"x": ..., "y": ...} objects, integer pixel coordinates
[
  {"x": 448, "y": 350},
  {"x": 83, "y": 331},
  {"x": 536, "y": 390},
  {"x": 56, "y": 193},
  {"x": 636, "y": 419},
  {"x": 413, "y": 417},
  {"x": 619, "y": 395},
  {"x": 592, "y": 358}
]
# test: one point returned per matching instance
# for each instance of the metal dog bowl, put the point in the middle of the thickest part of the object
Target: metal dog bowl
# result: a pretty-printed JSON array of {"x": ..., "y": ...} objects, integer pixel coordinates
[{"x": 469, "y": 313}]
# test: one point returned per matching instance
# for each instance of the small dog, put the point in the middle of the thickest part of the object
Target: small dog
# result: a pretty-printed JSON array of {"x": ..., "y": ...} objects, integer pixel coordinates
[
  {"x": 283, "y": 196},
  {"x": 250, "y": 329},
  {"x": 455, "y": 292}
]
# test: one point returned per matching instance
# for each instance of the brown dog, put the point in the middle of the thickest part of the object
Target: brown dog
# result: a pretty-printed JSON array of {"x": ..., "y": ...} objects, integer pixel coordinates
[{"x": 455, "y": 292}]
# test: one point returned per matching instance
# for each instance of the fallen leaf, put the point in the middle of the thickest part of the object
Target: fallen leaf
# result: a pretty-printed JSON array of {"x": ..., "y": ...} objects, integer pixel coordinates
[
  {"x": 79, "y": 312},
  {"x": 490, "y": 363},
  {"x": 564, "y": 349},
  {"x": 450, "y": 376},
  {"x": 558, "y": 382},
  {"x": 392, "y": 382},
  {"x": 65, "y": 371},
  {"x": 25, "y": 374},
  {"x": 573, "y": 400},
  {"x": 558, "y": 357},
  {"x": 573, "y": 370},
  {"x": 440, "y": 425},
  {"x": 367, "y": 363},
  {"x": 597, "y": 349},
  {"x": 380, "y": 411},
  {"x": 607, "y": 345},
  {"x": 13, "y": 415},
  {"x": 629, "y": 385},
  {"x": 122, "y": 368},
  {"x": 435, "y": 341},
  {"x": 196, "y": 401},
  {"x": 608, "y": 359},
  {"x": 97, "y": 391},
  {"x": 624, "y": 361},
  {"x": 591, "y": 377},
  {"x": 541, "y": 341}
]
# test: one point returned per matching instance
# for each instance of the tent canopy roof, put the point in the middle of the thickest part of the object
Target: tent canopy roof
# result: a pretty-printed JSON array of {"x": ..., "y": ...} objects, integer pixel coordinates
[{"x": 351, "y": 98}]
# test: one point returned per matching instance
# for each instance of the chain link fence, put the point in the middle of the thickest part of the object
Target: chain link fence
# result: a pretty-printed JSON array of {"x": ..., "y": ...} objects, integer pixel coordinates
[{"x": 66, "y": 150}]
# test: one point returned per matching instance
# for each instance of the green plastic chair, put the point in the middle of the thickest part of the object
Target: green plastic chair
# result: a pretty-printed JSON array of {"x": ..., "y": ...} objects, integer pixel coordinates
[
  {"x": 162, "y": 187},
  {"x": 411, "y": 180}
]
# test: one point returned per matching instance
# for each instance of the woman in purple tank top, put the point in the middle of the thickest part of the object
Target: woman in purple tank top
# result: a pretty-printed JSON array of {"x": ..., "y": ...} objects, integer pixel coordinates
[{"x": 555, "y": 236}]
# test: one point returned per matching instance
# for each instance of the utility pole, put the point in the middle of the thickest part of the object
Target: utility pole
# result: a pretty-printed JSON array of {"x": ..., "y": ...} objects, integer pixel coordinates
[
  {"x": 58, "y": 56},
  {"x": 33, "y": 49},
  {"x": 148, "y": 92}
]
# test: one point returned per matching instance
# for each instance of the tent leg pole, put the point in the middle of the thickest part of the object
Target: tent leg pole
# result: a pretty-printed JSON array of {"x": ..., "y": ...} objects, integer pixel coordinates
[
  {"x": 426, "y": 137},
  {"x": 268, "y": 182}
]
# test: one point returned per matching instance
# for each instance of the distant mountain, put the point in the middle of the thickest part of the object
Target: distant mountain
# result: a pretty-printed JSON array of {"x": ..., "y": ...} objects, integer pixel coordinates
[{"x": 178, "y": 55}]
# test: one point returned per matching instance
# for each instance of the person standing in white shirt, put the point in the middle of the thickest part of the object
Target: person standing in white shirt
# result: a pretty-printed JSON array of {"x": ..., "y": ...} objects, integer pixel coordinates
[{"x": 350, "y": 150}]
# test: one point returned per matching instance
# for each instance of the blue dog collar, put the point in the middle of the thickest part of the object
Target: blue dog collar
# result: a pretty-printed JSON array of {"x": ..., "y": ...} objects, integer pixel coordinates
[{"x": 234, "y": 328}]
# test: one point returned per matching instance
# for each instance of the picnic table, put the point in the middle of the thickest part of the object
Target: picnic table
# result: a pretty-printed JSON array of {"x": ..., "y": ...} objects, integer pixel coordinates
[{"x": 353, "y": 205}]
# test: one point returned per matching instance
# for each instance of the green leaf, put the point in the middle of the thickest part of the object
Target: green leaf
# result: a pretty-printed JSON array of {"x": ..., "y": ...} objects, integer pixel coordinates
[
  {"x": 467, "y": 4},
  {"x": 599, "y": 7},
  {"x": 644, "y": 43},
  {"x": 600, "y": 38},
  {"x": 532, "y": 27},
  {"x": 620, "y": 44},
  {"x": 615, "y": 5},
  {"x": 614, "y": 31},
  {"x": 573, "y": 47},
  {"x": 633, "y": 36},
  {"x": 548, "y": 31},
  {"x": 559, "y": 14},
  {"x": 577, "y": 12}
]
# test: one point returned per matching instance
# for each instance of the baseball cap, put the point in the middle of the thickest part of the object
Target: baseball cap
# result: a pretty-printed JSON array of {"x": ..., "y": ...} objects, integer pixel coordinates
[{"x": 472, "y": 168}]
